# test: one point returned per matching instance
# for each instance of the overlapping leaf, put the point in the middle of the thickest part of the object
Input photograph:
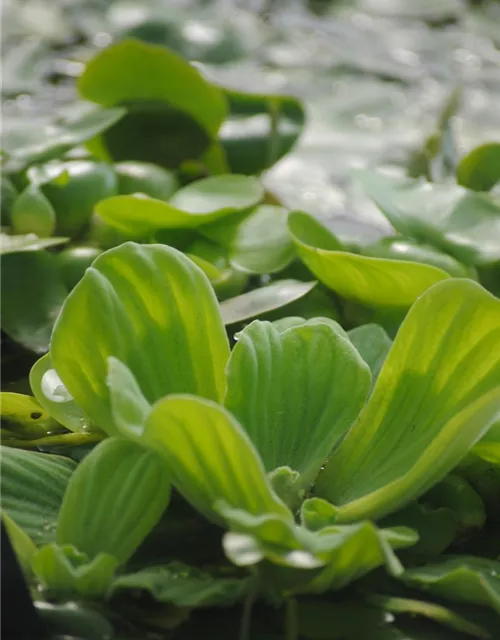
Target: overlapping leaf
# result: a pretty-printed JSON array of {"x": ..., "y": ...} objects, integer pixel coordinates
[
  {"x": 295, "y": 392},
  {"x": 210, "y": 457},
  {"x": 374, "y": 282},
  {"x": 199, "y": 203},
  {"x": 437, "y": 393},
  {"x": 154, "y": 310},
  {"x": 113, "y": 499}
]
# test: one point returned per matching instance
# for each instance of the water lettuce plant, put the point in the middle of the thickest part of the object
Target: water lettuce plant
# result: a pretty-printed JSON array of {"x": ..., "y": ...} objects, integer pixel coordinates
[{"x": 250, "y": 389}]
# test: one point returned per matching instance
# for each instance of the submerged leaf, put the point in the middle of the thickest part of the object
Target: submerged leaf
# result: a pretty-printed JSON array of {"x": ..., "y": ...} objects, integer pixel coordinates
[
  {"x": 154, "y": 310},
  {"x": 424, "y": 414},
  {"x": 296, "y": 392}
]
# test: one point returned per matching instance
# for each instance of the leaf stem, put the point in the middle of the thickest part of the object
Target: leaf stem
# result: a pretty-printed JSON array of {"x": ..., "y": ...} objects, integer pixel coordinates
[
  {"x": 63, "y": 440},
  {"x": 246, "y": 618},
  {"x": 291, "y": 621}
]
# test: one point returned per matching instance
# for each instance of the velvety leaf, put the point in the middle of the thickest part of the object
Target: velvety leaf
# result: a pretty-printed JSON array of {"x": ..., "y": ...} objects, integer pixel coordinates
[
  {"x": 429, "y": 610},
  {"x": 182, "y": 586},
  {"x": 36, "y": 144},
  {"x": 480, "y": 169},
  {"x": 112, "y": 513},
  {"x": 374, "y": 282},
  {"x": 65, "y": 571},
  {"x": 49, "y": 390},
  {"x": 200, "y": 202},
  {"x": 463, "y": 223},
  {"x": 155, "y": 311},
  {"x": 32, "y": 295},
  {"x": 259, "y": 301},
  {"x": 209, "y": 456},
  {"x": 316, "y": 514},
  {"x": 29, "y": 242},
  {"x": 258, "y": 244},
  {"x": 296, "y": 393},
  {"x": 287, "y": 485},
  {"x": 23, "y": 545},
  {"x": 460, "y": 579},
  {"x": 132, "y": 70},
  {"x": 424, "y": 414},
  {"x": 373, "y": 344},
  {"x": 33, "y": 486},
  {"x": 24, "y": 417}
]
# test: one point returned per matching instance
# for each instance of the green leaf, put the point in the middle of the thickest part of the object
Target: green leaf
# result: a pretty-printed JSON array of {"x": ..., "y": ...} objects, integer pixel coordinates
[
  {"x": 463, "y": 223},
  {"x": 376, "y": 282},
  {"x": 209, "y": 456},
  {"x": 33, "y": 213},
  {"x": 424, "y": 414},
  {"x": 129, "y": 406},
  {"x": 113, "y": 513},
  {"x": 296, "y": 393},
  {"x": 259, "y": 130},
  {"x": 436, "y": 529},
  {"x": 259, "y": 301},
  {"x": 429, "y": 610},
  {"x": 183, "y": 586},
  {"x": 398, "y": 248},
  {"x": 145, "y": 177},
  {"x": 33, "y": 486},
  {"x": 32, "y": 143},
  {"x": 74, "y": 619},
  {"x": 460, "y": 579},
  {"x": 154, "y": 310},
  {"x": 28, "y": 242},
  {"x": 32, "y": 295},
  {"x": 455, "y": 493},
  {"x": 65, "y": 571},
  {"x": 327, "y": 559},
  {"x": 132, "y": 70},
  {"x": 258, "y": 244},
  {"x": 287, "y": 485},
  {"x": 316, "y": 514},
  {"x": 373, "y": 344},
  {"x": 23, "y": 545},
  {"x": 479, "y": 170},
  {"x": 49, "y": 390},
  {"x": 24, "y": 417},
  {"x": 200, "y": 202}
]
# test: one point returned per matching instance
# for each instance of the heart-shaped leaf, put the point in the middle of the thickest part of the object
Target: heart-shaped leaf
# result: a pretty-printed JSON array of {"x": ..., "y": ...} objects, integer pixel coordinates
[
  {"x": 375, "y": 282},
  {"x": 209, "y": 456},
  {"x": 424, "y": 414},
  {"x": 112, "y": 513},
  {"x": 296, "y": 392},
  {"x": 154, "y": 310},
  {"x": 463, "y": 223},
  {"x": 200, "y": 202},
  {"x": 33, "y": 485}
]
